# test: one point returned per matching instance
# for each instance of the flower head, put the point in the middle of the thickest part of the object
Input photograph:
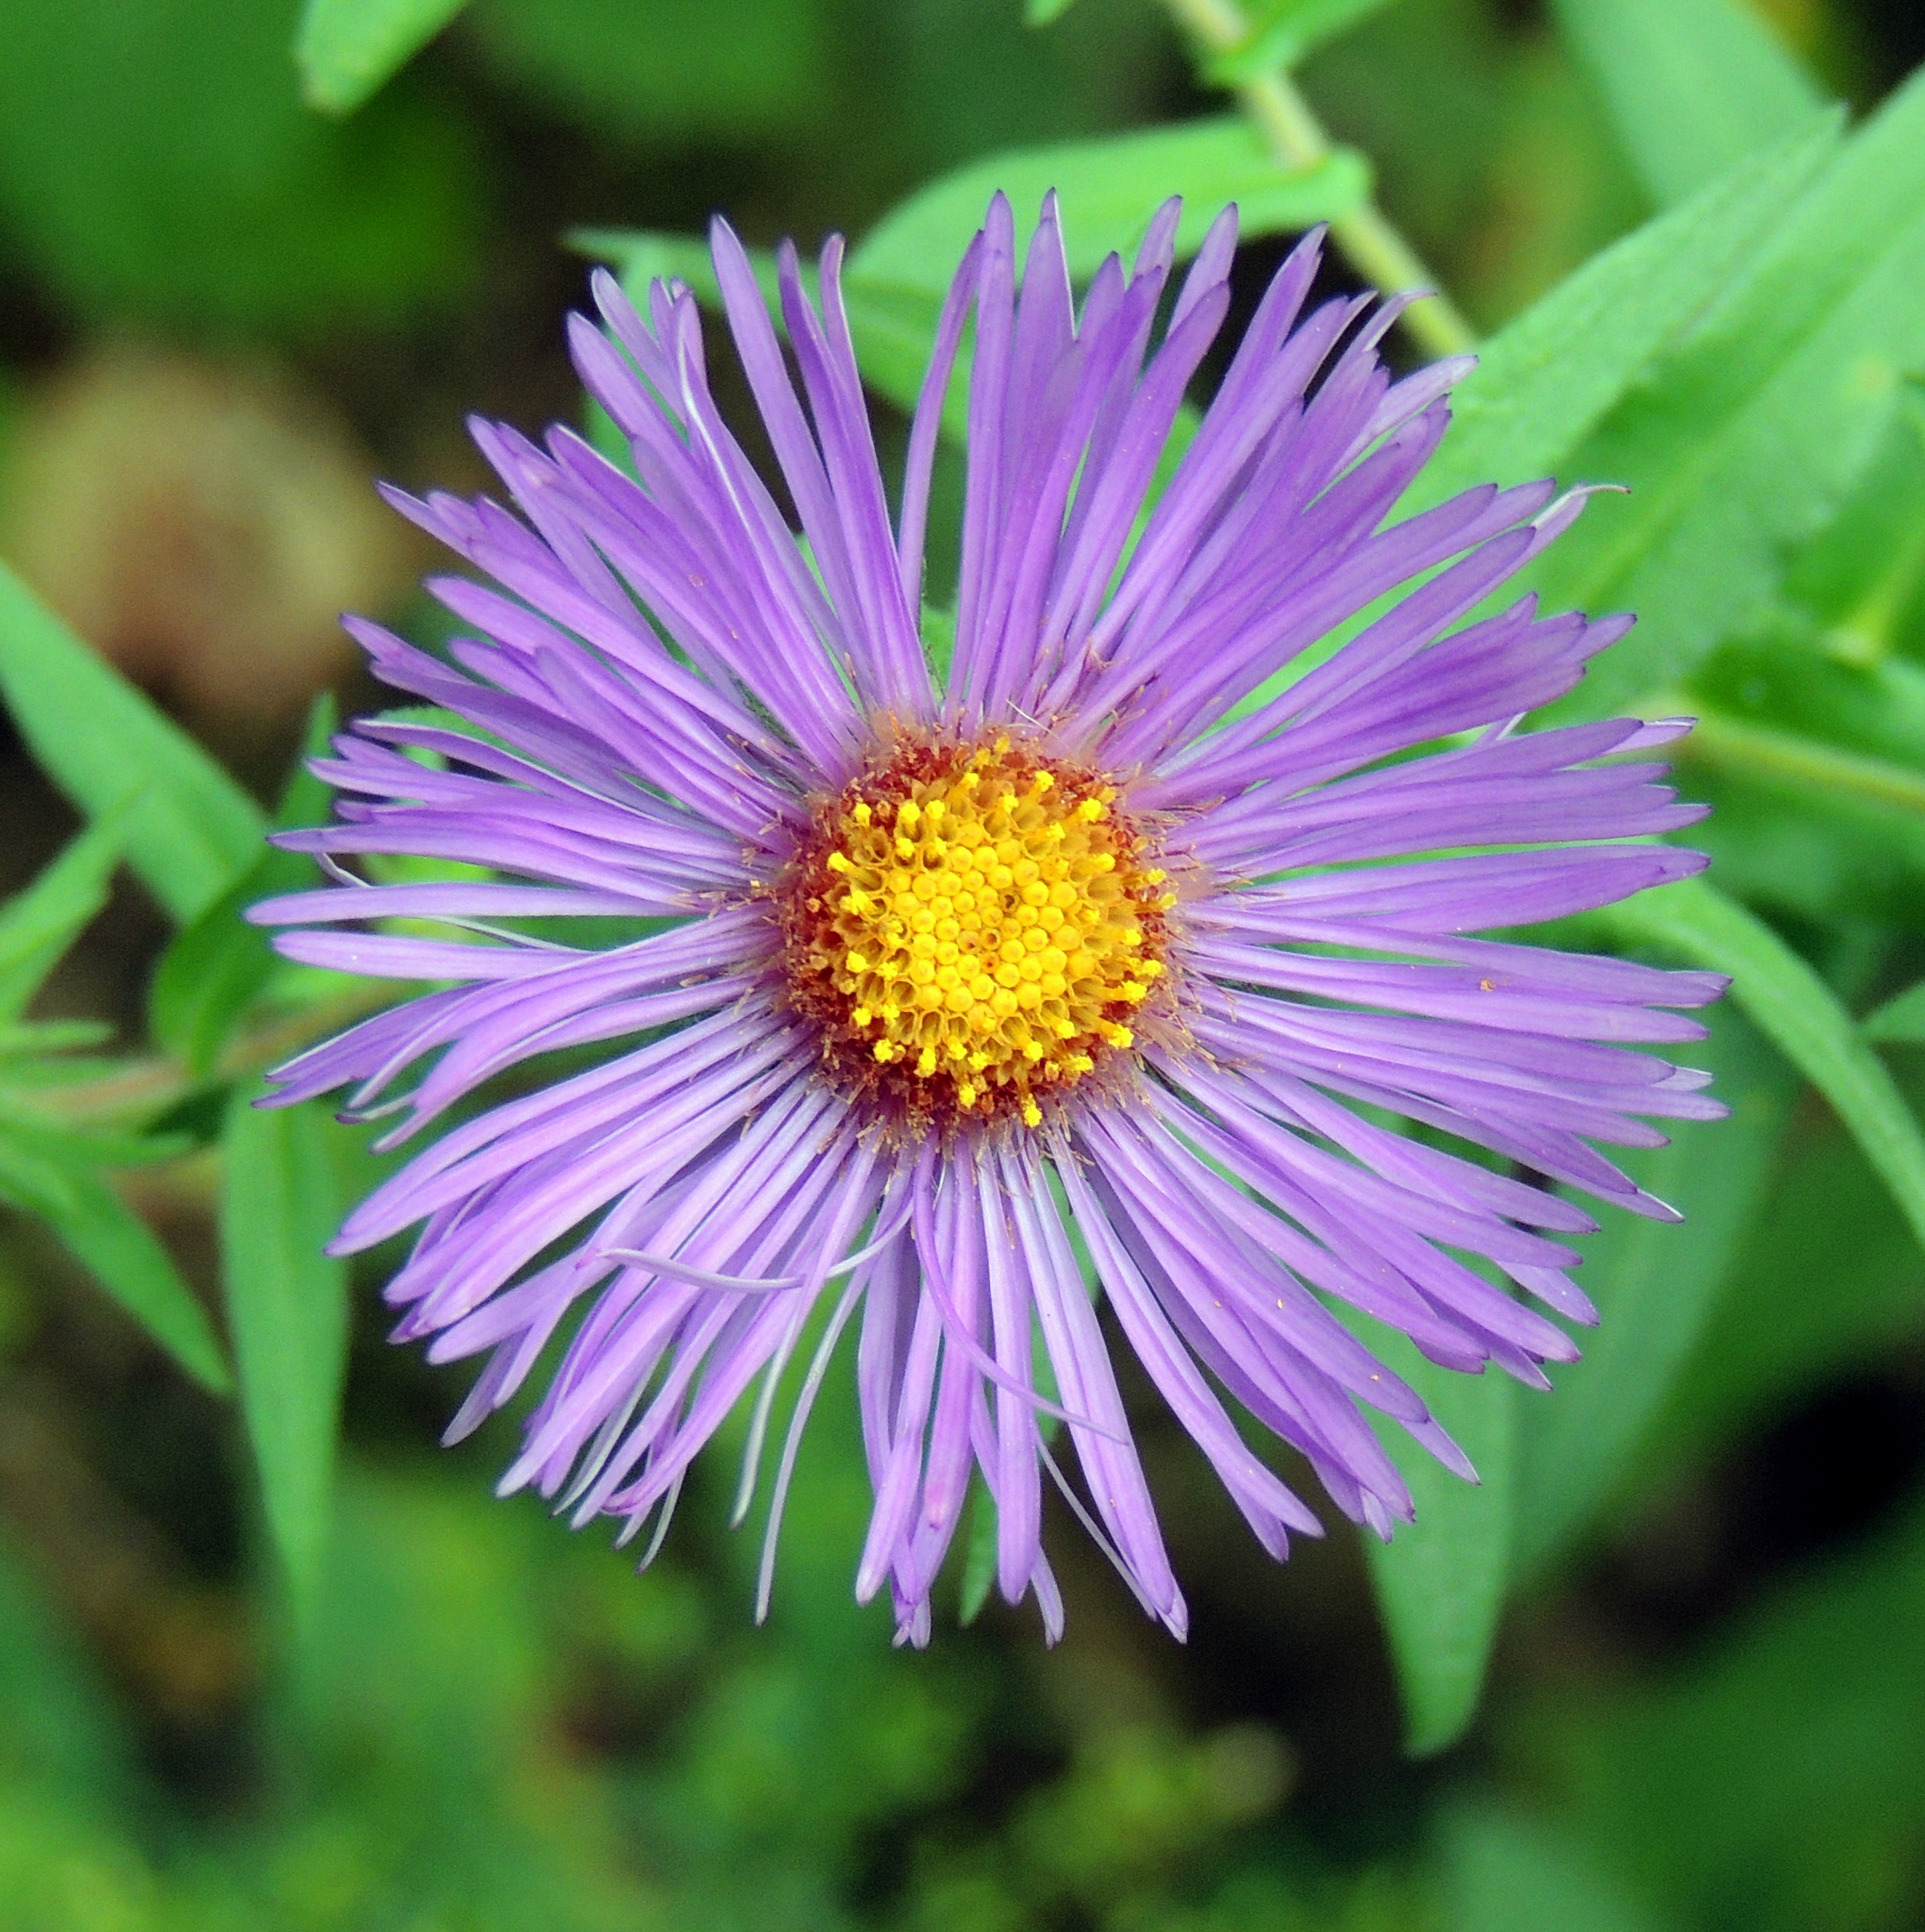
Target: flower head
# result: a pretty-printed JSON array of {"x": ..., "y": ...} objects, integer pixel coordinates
[{"x": 1064, "y": 1000}]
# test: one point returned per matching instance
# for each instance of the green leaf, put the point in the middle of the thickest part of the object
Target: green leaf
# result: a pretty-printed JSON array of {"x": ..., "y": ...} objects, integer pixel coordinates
[
  {"x": 1283, "y": 33},
  {"x": 347, "y": 50},
  {"x": 1827, "y": 1278},
  {"x": 640, "y": 255},
  {"x": 37, "y": 925},
  {"x": 1858, "y": 584},
  {"x": 1794, "y": 1008},
  {"x": 1777, "y": 1784},
  {"x": 1656, "y": 1285},
  {"x": 1440, "y": 1581},
  {"x": 46, "y": 1175},
  {"x": 979, "y": 1557},
  {"x": 1039, "y": 13},
  {"x": 1546, "y": 381},
  {"x": 1691, "y": 86},
  {"x": 288, "y": 1314},
  {"x": 1785, "y": 685},
  {"x": 1748, "y": 437},
  {"x": 1504, "y": 1873},
  {"x": 156, "y": 165},
  {"x": 686, "y": 70},
  {"x": 210, "y": 974},
  {"x": 195, "y": 831},
  {"x": 1815, "y": 770},
  {"x": 1109, "y": 190},
  {"x": 1900, "y": 1018},
  {"x": 1819, "y": 772},
  {"x": 24, "y": 1040},
  {"x": 1821, "y": 856}
]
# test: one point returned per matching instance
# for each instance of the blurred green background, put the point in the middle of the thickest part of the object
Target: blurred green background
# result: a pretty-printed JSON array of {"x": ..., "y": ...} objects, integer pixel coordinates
[{"x": 221, "y": 315}]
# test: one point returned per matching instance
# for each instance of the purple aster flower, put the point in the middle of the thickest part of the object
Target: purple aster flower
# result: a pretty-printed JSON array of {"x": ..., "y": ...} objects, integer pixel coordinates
[{"x": 1061, "y": 1001}]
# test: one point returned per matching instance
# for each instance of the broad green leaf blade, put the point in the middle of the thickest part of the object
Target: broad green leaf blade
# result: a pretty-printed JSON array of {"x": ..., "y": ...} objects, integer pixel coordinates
[
  {"x": 347, "y": 50},
  {"x": 894, "y": 330},
  {"x": 1109, "y": 190},
  {"x": 194, "y": 831},
  {"x": 41, "y": 1177},
  {"x": 979, "y": 1554},
  {"x": 1656, "y": 1285},
  {"x": 1827, "y": 1279},
  {"x": 1815, "y": 771},
  {"x": 690, "y": 76},
  {"x": 1546, "y": 381},
  {"x": 1503, "y": 1872},
  {"x": 1284, "y": 32},
  {"x": 37, "y": 925},
  {"x": 1691, "y": 86},
  {"x": 1789, "y": 1002},
  {"x": 1748, "y": 438},
  {"x": 640, "y": 255},
  {"x": 1784, "y": 685},
  {"x": 210, "y": 975},
  {"x": 287, "y": 1312},
  {"x": 1900, "y": 1018},
  {"x": 1743, "y": 1789},
  {"x": 1440, "y": 1581},
  {"x": 208, "y": 978},
  {"x": 1039, "y": 13},
  {"x": 159, "y": 173}
]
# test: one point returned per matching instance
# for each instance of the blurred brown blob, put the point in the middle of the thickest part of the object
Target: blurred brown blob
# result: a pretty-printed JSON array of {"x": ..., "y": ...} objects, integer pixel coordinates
[
  {"x": 203, "y": 525},
  {"x": 185, "y": 1648}
]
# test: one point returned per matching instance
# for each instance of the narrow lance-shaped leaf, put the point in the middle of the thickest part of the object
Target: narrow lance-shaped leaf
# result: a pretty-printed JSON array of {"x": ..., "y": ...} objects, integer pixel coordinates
[
  {"x": 1441, "y": 1580},
  {"x": 347, "y": 50},
  {"x": 1109, "y": 190},
  {"x": 1691, "y": 86},
  {"x": 287, "y": 1311},
  {"x": 47, "y": 1169},
  {"x": 1794, "y": 1008},
  {"x": 106, "y": 746},
  {"x": 37, "y": 925},
  {"x": 210, "y": 975},
  {"x": 1748, "y": 438},
  {"x": 56, "y": 1184},
  {"x": 1546, "y": 381},
  {"x": 1656, "y": 1285}
]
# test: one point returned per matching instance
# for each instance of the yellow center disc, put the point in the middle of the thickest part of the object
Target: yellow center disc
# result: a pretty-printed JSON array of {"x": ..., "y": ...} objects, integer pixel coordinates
[{"x": 973, "y": 928}]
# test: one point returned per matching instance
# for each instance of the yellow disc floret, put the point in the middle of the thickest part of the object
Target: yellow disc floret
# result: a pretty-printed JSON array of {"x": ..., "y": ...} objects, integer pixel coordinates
[{"x": 974, "y": 929}]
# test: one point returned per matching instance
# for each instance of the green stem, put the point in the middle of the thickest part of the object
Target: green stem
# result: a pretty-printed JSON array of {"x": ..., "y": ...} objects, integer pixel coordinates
[
  {"x": 150, "y": 1087},
  {"x": 1757, "y": 750},
  {"x": 1373, "y": 247}
]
